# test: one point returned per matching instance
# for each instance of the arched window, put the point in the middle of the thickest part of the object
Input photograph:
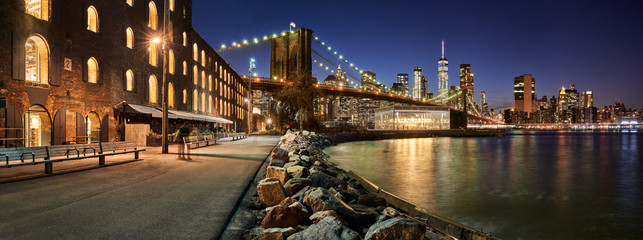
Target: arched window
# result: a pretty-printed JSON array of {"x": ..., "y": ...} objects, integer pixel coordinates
[
  {"x": 129, "y": 38},
  {"x": 129, "y": 80},
  {"x": 153, "y": 53},
  {"x": 185, "y": 39},
  {"x": 153, "y": 87},
  {"x": 185, "y": 96},
  {"x": 38, "y": 8},
  {"x": 196, "y": 75},
  {"x": 196, "y": 52},
  {"x": 171, "y": 5},
  {"x": 210, "y": 103},
  {"x": 129, "y": 2},
  {"x": 37, "y": 60},
  {"x": 210, "y": 83},
  {"x": 92, "y": 70},
  {"x": 203, "y": 102},
  {"x": 195, "y": 97},
  {"x": 171, "y": 32},
  {"x": 92, "y": 19},
  {"x": 203, "y": 79},
  {"x": 185, "y": 68},
  {"x": 170, "y": 62},
  {"x": 153, "y": 16},
  {"x": 170, "y": 95},
  {"x": 202, "y": 58}
]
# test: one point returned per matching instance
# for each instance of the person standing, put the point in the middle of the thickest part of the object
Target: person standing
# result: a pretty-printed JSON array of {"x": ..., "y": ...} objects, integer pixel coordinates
[{"x": 184, "y": 132}]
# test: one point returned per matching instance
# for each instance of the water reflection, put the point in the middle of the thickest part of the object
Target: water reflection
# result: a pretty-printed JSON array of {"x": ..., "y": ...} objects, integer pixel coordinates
[{"x": 566, "y": 185}]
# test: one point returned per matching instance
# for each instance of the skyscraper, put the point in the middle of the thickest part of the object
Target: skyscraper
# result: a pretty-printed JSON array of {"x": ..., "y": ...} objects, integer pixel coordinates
[
  {"x": 443, "y": 73},
  {"x": 466, "y": 80},
  {"x": 587, "y": 99},
  {"x": 403, "y": 78},
  {"x": 418, "y": 90},
  {"x": 483, "y": 104},
  {"x": 368, "y": 81},
  {"x": 524, "y": 93}
]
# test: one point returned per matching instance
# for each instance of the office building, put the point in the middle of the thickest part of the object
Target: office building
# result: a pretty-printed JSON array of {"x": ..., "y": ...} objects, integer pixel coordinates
[
  {"x": 443, "y": 74},
  {"x": 403, "y": 79},
  {"x": 466, "y": 81},
  {"x": 419, "y": 83},
  {"x": 524, "y": 93}
]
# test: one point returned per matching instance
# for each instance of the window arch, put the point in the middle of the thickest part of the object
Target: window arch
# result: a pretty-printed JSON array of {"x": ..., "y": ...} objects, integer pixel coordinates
[
  {"x": 170, "y": 95},
  {"x": 36, "y": 60},
  {"x": 129, "y": 80},
  {"x": 185, "y": 68},
  {"x": 185, "y": 39},
  {"x": 171, "y": 5},
  {"x": 38, "y": 8},
  {"x": 209, "y": 103},
  {"x": 196, "y": 75},
  {"x": 185, "y": 96},
  {"x": 153, "y": 87},
  {"x": 210, "y": 82},
  {"x": 170, "y": 62},
  {"x": 171, "y": 32},
  {"x": 92, "y": 70},
  {"x": 153, "y": 54},
  {"x": 92, "y": 19},
  {"x": 202, "y": 102},
  {"x": 129, "y": 2},
  {"x": 129, "y": 38},
  {"x": 153, "y": 16},
  {"x": 196, "y": 52},
  {"x": 202, "y": 58},
  {"x": 195, "y": 97},
  {"x": 203, "y": 79}
]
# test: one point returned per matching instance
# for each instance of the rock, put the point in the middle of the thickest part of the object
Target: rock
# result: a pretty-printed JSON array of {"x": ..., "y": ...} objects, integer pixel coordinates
[
  {"x": 270, "y": 191},
  {"x": 293, "y": 169},
  {"x": 299, "y": 195},
  {"x": 346, "y": 196},
  {"x": 292, "y": 163},
  {"x": 320, "y": 179},
  {"x": 358, "y": 215},
  {"x": 287, "y": 201},
  {"x": 294, "y": 185},
  {"x": 280, "y": 154},
  {"x": 318, "y": 199},
  {"x": 396, "y": 228},
  {"x": 304, "y": 153},
  {"x": 302, "y": 173},
  {"x": 329, "y": 228},
  {"x": 356, "y": 191},
  {"x": 277, "y": 233},
  {"x": 283, "y": 217},
  {"x": 318, "y": 216},
  {"x": 371, "y": 200},
  {"x": 277, "y": 172},
  {"x": 300, "y": 206}
]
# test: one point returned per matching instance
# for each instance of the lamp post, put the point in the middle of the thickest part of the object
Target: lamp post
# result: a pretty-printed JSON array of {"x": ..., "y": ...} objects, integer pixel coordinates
[
  {"x": 251, "y": 67},
  {"x": 164, "y": 121}
]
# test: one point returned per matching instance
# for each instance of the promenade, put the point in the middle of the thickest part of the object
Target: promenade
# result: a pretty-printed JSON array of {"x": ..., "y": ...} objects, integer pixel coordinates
[{"x": 159, "y": 197}]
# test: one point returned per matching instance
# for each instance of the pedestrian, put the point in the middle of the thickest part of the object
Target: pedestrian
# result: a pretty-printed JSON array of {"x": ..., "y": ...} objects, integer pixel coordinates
[{"x": 184, "y": 132}]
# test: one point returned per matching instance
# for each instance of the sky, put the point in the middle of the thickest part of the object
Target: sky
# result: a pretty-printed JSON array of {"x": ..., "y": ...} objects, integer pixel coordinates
[{"x": 597, "y": 45}]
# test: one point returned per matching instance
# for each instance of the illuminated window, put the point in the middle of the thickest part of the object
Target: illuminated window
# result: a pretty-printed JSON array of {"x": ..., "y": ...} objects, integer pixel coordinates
[
  {"x": 170, "y": 61},
  {"x": 202, "y": 102},
  {"x": 171, "y": 5},
  {"x": 153, "y": 87},
  {"x": 129, "y": 2},
  {"x": 203, "y": 79},
  {"x": 129, "y": 38},
  {"x": 92, "y": 70},
  {"x": 92, "y": 19},
  {"x": 185, "y": 39},
  {"x": 171, "y": 32},
  {"x": 170, "y": 95},
  {"x": 38, "y": 8},
  {"x": 195, "y": 98},
  {"x": 202, "y": 58},
  {"x": 196, "y": 52},
  {"x": 185, "y": 96},
  {"x": 153, "y": 16},
  {"x": 129, "y": 80},
  {"x": 210, "y": 103},
  {"x": 37, "y": 60},
  {"x": 196, "y": 75},
  {"x": 153, "y": 53},
  {"x": 185, "y": 68},
  {"x": 210, "y": 83}
]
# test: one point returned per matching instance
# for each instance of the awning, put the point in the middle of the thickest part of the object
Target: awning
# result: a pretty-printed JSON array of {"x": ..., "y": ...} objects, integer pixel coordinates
[
  {"x": 198, "y": 117},
  {"x": 135, "y": 108}
]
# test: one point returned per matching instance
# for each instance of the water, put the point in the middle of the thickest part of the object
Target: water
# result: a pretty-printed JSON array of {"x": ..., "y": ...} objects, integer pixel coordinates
[{"x": 526, "y": 185}]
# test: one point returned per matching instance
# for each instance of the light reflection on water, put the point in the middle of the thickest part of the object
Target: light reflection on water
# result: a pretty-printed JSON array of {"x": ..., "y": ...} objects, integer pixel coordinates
[{"x": 532, "y": 186}]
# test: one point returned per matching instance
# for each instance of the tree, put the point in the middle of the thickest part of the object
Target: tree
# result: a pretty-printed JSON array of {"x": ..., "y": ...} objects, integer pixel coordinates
[{"x": 296, "y": 97}]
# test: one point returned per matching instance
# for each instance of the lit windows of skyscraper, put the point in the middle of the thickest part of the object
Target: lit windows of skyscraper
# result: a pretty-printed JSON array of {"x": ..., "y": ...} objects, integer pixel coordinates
[
  {"x": 418, "y": 89},
  {"x": 587, "y": 99},
  {"x": 443, "y": 73},
  {"x": 466, "y": 80},
  {"x": 403, "y": 79},
  {"x": 368, "y": 81},
  {"x": 524, "y": 93}
]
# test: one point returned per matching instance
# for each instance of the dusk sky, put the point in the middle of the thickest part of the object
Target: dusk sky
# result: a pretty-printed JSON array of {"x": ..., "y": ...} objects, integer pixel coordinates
[{"x": 596, "y": 45}]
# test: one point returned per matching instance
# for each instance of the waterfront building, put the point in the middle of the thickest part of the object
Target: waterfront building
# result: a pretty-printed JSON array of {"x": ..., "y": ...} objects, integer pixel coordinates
[
  {"x": 419, "y": 87},
  {"x": 443, "y": 74},
  {"x": 466, "y": 80},
  {"x": 403, "y": 78},
  {"x": 418, "y": 118},
  {"x": 587, "y": 99},
  {"x": 366, "y": 111},
  {"x": 524, "y": 93},
  {"x": 68, "y": 71},
  {"x": 369, "y": 81}
]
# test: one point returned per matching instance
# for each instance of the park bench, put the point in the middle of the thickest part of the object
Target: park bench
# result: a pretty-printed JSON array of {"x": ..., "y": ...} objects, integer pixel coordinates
[
  {"x": 237, "y": 136},
  {"x": 13, "y": 157},
  {"x": 210, "y": 139},
  {"x": 194, "y": 142}
]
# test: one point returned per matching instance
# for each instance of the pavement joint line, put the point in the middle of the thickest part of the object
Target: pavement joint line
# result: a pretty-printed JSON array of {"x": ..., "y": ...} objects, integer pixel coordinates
[{"x": 65, "y": 171}]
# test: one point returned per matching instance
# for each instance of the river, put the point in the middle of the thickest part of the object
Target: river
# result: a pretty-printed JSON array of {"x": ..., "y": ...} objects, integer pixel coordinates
[{"x": 526, "y": 185}]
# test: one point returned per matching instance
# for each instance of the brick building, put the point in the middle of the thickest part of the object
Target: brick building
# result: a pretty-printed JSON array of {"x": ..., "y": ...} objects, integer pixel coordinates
[{"x": 69, "y": 64}]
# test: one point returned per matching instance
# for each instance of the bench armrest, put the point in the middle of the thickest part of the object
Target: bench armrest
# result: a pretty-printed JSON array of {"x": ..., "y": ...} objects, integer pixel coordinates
[
  {"x": 6, "y": 157},
  {"x": 77, "y": 152},
  {"x": 90, "y": 148},
  {"x": 22, "y": 157}
]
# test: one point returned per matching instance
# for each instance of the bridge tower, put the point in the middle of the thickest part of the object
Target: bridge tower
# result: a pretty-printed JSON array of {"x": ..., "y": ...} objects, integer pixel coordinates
[{"x": 290, "y": 54}]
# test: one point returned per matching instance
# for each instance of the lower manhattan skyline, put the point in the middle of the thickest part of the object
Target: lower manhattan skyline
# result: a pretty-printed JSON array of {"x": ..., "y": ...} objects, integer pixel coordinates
[{"x": 591, "y": 44}]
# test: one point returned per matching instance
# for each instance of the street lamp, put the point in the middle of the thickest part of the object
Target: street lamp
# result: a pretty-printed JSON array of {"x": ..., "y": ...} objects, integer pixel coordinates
[
  {"x": 164, "y": 121},
  {"x": 251, "y": 67}
]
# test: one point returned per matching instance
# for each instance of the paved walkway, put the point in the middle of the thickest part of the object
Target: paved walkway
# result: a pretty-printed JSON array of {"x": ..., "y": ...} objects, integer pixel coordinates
[{"x": 159, "y": 197}]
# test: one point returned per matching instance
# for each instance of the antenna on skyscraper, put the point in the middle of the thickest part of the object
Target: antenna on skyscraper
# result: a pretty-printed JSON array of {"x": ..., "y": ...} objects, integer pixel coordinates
[{"x": 442, "y": 48}]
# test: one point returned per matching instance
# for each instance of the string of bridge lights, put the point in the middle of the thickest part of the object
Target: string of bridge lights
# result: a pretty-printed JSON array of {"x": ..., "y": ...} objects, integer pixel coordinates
[{"x": 331, "y": 71}]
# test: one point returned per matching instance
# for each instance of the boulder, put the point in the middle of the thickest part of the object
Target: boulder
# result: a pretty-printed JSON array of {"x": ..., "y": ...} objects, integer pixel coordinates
[
  {"x": 318, "y": 199},
  {"x": 299, "y": 205},
  {"x": 302, "y": 173},
  {"x": 292, "y": 163},
  {"x": 280, "y": 154},
  {"x": 277, "y": 172},
  {"x": 320, "y": 179},
  {"x": 270, "y": 191},
  {"x": 277, "y": 233},
  {"x": 329, "y": 228},
  {"x": 294, "y": 168},
  {"x": 356, "y": 191},
  {"x": 283, "y": 217},
  {"x": 287, "y": 201},
  {"x": 299, "y": 195},
  {"x": 294, "y": 185},
  {"x": 371, "y": 200},
  {"x": 396, "y": 228},
  {"x": 318, "y": 216},
  {"x": 391, "y": 212}
]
